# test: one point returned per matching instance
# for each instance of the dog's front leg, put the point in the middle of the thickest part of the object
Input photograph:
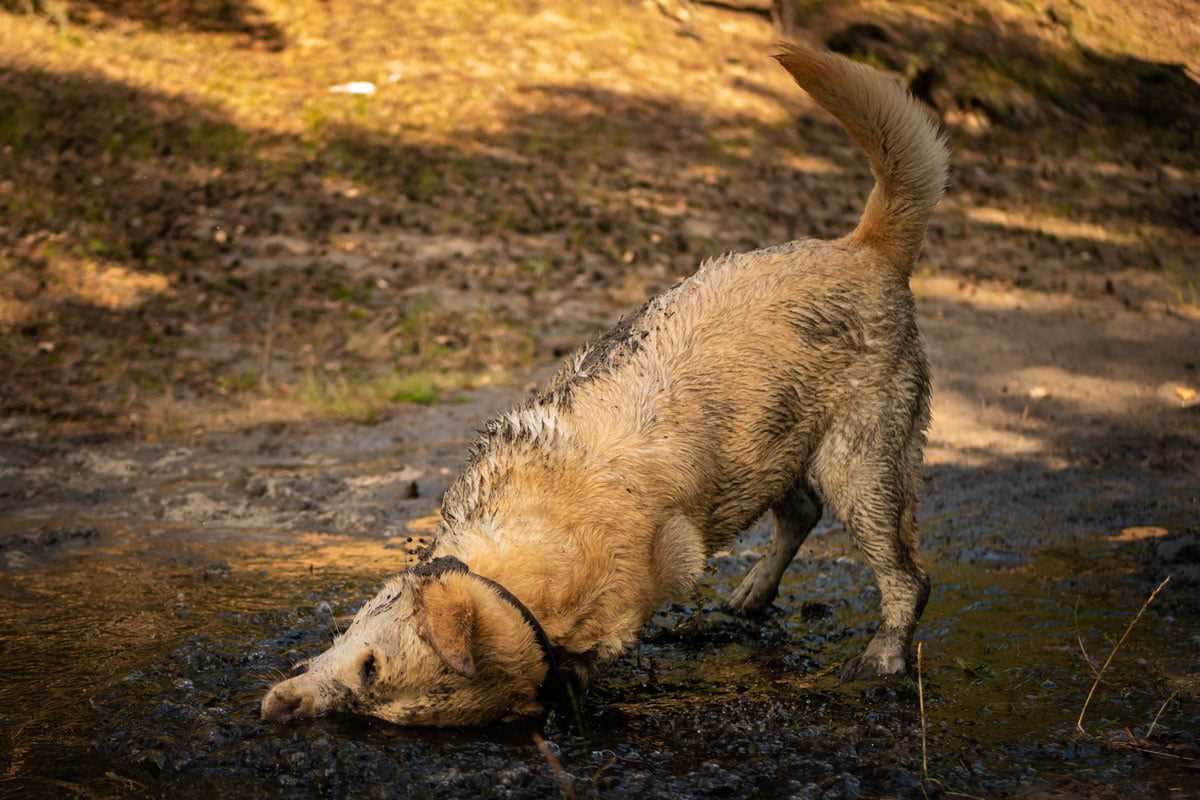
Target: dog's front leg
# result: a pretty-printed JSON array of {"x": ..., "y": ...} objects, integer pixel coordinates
[{"x": 795, "y": 516}]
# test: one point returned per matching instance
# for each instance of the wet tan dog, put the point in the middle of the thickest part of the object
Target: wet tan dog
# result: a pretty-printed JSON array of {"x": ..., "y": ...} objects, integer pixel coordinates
[{"x": 767, "y": 380}]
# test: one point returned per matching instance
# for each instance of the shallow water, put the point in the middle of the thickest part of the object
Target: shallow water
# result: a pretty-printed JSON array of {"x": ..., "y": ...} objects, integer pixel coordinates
[{"x": 135, "y": 658}]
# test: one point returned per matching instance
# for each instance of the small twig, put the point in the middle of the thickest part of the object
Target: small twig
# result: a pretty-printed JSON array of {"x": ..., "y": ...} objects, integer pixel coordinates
[
  {"x": 1087, "y": 658},
  {"x": 921, "y": 702},
  {"x": 925, "y": 779},
  {"x": 1088, "y": 700},
  {"x": 950, "y": 792},
  {"x": 129, "y": 784},
  {"x": 1151, "y": 751},
  {"x": 1161, "y": 709},
  {"x": 564, "y": 783},
  {"x": 1079, "y": 638}
]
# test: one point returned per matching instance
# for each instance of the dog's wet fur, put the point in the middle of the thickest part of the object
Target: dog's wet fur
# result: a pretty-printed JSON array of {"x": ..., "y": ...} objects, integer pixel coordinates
[{"x": 791, "y": 378}]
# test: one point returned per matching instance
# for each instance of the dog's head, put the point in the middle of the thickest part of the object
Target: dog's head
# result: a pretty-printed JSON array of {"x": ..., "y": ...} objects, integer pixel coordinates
[{"x": 427, "y": 650}]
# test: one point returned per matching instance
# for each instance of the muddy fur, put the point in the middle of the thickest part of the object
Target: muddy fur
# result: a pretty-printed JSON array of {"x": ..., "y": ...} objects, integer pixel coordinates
[{"x": 789, "y": 379}]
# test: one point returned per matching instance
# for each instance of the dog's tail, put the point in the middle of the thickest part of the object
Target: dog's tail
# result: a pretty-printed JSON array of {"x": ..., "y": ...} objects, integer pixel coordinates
[{"x": 908, "y": 152}]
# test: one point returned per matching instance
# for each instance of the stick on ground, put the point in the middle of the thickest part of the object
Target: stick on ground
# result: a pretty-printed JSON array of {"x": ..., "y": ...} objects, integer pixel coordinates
[
  {"x": 921, "y": 702},
  {"x": 1087, "y": 701},
  {"x": 1161, "y": 709}
]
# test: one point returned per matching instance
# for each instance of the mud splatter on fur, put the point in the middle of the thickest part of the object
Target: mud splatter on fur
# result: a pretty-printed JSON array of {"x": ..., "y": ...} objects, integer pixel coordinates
[{"x": 790, "y": 379}]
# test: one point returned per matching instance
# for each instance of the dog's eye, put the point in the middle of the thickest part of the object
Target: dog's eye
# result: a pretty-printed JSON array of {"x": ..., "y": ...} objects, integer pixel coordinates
[{"x": 368, "y": 670}]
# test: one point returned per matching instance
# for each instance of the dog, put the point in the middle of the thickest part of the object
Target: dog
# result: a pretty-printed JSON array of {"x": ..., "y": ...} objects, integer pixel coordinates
[{"x": 791, "y": 378}]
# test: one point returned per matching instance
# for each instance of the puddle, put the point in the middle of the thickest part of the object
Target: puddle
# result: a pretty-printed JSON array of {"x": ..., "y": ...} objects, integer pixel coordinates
[
  {"x": 143, "y": 614},
  {"x": 134, "y": 661}
]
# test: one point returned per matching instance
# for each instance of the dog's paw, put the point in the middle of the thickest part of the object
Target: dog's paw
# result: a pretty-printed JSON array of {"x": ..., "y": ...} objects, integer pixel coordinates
[
  {"x": 754, "y": 594},
  {"x": 875, "y": 662}
]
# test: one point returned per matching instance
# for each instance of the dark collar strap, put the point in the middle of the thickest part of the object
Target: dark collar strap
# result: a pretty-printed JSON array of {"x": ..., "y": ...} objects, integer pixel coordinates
[{"x": 553, "y": 687}]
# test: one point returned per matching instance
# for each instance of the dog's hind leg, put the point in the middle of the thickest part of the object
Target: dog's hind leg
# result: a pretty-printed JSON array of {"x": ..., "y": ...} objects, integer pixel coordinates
[
  {"x": 795, "y": 516},
  {"x": 878, "y": 504}
]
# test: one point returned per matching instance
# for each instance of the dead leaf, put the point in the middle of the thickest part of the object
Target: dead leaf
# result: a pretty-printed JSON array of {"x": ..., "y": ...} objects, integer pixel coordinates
[
  {"x": 1185, "y": 393},
  {"x": 1038, "y": 392},
  {"x": 1138, "y": 533}
]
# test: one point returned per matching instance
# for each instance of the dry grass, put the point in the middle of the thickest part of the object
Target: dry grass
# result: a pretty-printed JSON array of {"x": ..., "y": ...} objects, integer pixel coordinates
[
  {"x": 192, "y": 217},
  {"x": 363, "y": 399}
]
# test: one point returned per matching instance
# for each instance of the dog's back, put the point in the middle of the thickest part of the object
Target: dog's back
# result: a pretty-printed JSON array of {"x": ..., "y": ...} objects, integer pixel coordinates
[
  {"x": 748, "y": 377},
  {"x": 786, "y": 379},
  {"x": 762, "y": 367}
]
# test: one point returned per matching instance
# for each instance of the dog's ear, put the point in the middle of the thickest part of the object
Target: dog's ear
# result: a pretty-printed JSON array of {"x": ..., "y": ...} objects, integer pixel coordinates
[{"x": 447, "y": 623}]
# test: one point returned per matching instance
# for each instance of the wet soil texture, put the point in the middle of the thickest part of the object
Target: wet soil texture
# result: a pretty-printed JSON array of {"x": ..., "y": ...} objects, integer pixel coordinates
[{"x": 152, "y": 592}]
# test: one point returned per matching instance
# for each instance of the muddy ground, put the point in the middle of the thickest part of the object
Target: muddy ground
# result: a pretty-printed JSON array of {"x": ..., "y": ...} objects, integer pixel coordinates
[
  {"x": 152, "y": 591},
  {"x": 248, "y": 326}
]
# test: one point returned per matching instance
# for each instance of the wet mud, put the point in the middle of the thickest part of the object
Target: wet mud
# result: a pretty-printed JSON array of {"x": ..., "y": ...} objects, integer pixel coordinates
[{"x": 152, "y": 592}]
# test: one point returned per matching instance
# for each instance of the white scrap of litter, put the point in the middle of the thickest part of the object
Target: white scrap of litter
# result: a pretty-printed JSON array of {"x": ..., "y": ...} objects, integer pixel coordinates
[{"x": 354, "y": 87}]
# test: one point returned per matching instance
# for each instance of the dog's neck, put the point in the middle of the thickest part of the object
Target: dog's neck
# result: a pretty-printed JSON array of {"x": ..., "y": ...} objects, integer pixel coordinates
[{"x": 592, "y": 583}]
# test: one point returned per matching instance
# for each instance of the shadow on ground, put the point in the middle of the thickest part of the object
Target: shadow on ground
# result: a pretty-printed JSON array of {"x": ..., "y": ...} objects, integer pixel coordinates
[
  {"x": 155, "y": 246},
  {"x": 1021, "y": 69},
  {"x": 204, "y": 16}
]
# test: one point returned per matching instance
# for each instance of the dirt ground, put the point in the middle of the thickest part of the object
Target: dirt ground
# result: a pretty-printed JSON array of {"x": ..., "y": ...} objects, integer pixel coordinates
[{"x": 249, "y": 325}]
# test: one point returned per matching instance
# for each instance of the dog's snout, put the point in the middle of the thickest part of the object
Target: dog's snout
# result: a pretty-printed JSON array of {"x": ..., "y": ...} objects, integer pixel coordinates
[{"x": 286, "y": 702}]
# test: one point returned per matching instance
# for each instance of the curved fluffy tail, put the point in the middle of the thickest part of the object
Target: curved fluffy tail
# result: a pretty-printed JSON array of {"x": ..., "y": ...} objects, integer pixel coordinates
[{"x": 908, "y": 153}]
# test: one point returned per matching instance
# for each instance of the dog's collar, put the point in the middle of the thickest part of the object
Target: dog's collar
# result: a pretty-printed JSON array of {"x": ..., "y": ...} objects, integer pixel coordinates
[{"x": 553, "y": 687}]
